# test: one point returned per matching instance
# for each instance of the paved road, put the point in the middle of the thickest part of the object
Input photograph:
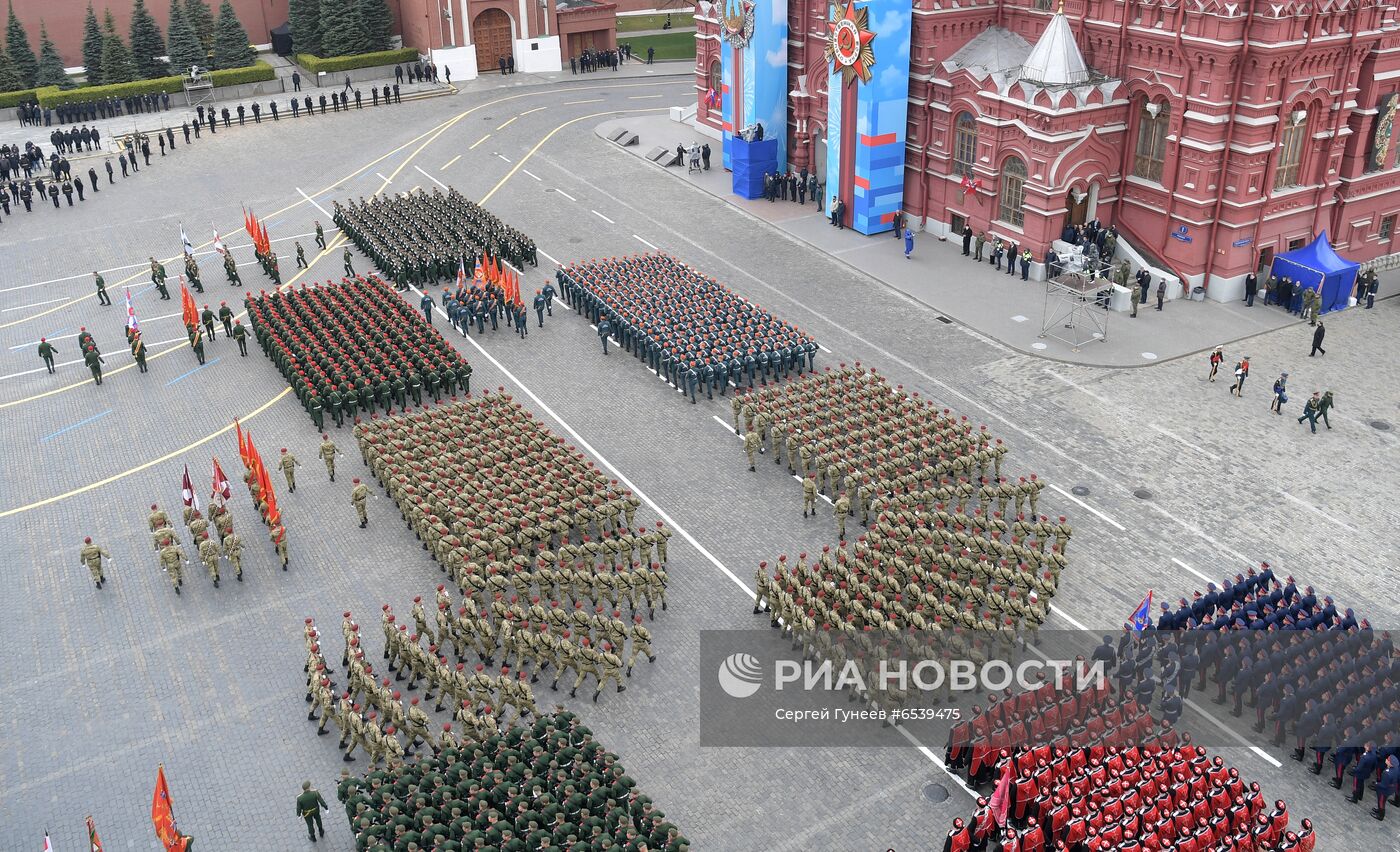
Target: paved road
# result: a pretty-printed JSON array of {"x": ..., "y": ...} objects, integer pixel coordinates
[{"x": 102, "y": 686}]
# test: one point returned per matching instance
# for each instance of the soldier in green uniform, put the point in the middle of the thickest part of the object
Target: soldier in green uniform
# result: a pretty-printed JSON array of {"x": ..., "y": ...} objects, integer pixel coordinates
[
  {"x": 358, "y": 495},
  {"x": 209, "y": 555},
  {"x": 301, "y": 257},
  {"x": 138, "y": 351},
  {"x": 225, "y": 319},
  {"x": 92, "y": 555},
  {"x": 278, "y": 535},
  {"x": 349, "y": 266},
  {"x": 233, "y": 549},
  {"x": 309, "y": 807},
  {"x": 102, "y": 297},
  {"x": 288, "y": 464},
  {"x": 320, "y": 236},
  {"x": 158, "y": 278},
  {"x": 752, "y": 442},
  {"x": 94, "y": 363},
  {"x": 172, "y": 558},
  {"x": 231, "y": 270},
  {"x": 46, "y": 352},
  {"x": 197, "y": 344},
  {"x": 240, "y": 334},
  {"x": 809, "y": 496},
  {"x": 328, "y": 452}
]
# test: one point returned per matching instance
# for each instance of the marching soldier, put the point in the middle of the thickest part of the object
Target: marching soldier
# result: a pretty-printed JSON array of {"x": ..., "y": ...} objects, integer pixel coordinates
[
  {"x": 328, "y": 452},
  {"x": 358, "y": 495},
  {"x": 240, "y": 334},
  {"x": 209, "y": 555},
  {"x": 233, "y": 549},
  {"x": 102, "y": 297},
  {"x": 288, "y": 464},
  {"x": 46, "y": 352},
  {"x": 92, "y": 555}
]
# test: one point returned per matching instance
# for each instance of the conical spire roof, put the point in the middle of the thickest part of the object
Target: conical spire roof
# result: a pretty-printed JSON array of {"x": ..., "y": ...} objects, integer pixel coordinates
[{"x": 1055, "y": 60}]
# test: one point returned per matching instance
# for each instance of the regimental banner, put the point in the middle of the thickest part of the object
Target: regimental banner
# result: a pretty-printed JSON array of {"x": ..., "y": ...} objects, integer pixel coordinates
[
  {"x": 754, "y": 72},
  {"x": 867, "y": 109}
]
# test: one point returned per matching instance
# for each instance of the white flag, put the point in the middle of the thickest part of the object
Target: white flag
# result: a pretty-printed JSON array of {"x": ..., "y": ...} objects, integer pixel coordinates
[
  {"x": 219, "y": 244},
  {"x": 185, "y": 238}
]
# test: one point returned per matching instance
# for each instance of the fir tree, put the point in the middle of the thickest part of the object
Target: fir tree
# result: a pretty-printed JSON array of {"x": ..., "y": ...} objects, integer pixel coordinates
[
  {"x": 21, "y": 54},
  {"x": 231, "y": 48},
  {"x": 342, "y": 31},
  {"x": 202, "y": 20},
  {"x": 184, "y": 47},
  {"x": 50, "y": 71},
  {"x": 116, "y": 59},
  {"x": 305, "y": 19},
  {"x": 9, "y": 80},
  {"x": 147, "y": 44},
  {"x": 92, "y": 48},
  {"x": 378, "y": 22}
]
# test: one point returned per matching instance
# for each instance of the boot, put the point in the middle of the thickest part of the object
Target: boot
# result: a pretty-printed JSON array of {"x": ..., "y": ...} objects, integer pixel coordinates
[
  {"x": 311, "y": 716},
  {"x": 1336, "y": 783},
  {"x": 321, "y": 732},
  {"x": 348, "y": 759},
  {"x": 239, "y": 576},
  {"x": 1378, "y": 813},
  {"x": 573, "y": 693},
  {"x": 1298, "y": 754},
  {"x": 629, "y": 671},
  {"x": 595, "y": 696},
  {"x": 216, "y": 582},
  {"x": 621, "y": 688}
]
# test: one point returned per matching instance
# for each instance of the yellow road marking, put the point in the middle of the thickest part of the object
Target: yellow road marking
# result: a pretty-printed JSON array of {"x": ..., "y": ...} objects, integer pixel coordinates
[
  {"x": 479, "y": 141},
  {"x": 450, "y": 162},
  {"x": 507, "y": 122},
  {"x": 550, "y": 135},
  {"x": 643, "y": 97},
  {"x": 593, "y": 101},
  {"x": 145, "y": 465},
  {"x": 536, "y": 109}
]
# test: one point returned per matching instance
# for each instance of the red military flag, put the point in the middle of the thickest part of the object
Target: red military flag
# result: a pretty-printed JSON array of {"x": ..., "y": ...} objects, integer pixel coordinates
[
  {"x": 48, "y": 845},
  {"x": 94, "y": 842},
  {"x": 221, "y": 492},
  {"x": 189, "y": 313},
  {"x": 242, "y": 442},
  {"x": 1001, "y": 797},
  {"x": 191, "y": 499},
  {"x": 163, "y": 816}
]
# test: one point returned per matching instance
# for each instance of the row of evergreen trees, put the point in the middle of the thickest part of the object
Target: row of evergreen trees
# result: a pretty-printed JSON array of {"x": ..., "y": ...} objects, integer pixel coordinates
[
  {"x": 194, "y": 35},
  {"x": 340, "y": 27}
]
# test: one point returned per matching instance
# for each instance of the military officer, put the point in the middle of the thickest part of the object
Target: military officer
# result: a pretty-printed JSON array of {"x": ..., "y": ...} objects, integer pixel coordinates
[
  {"x": 92, "y": 555},
  {"x": 288, "y": 464},
  {"x": 358, "y": 495}
]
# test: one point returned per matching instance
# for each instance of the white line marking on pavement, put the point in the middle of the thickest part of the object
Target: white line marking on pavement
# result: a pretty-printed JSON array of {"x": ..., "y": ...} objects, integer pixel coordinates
[
  {"x": 622, "y": 477},
  {"x": 643, "y": 97},
  {"x": 478, "y": 142},
  {"x": 506, "y": 123},
  {"x": 1192, "y": 570},
  {"x": 35, "y": 305},
  {"x": 1343, "y": 524},
  {"x": 644, "y": 242},
  {"x": 69, "y": 277},
  {"x": 604, "y": 218},
  {"x": 1065, "y": 493},
  {"x": 36, "y": 342},
  {"x": 591, "y": 101},
  {"x": 1195, "y": 530},
  {"x": 565, "y": 194},
  {"x": 824, "y": 349},
  {"x": 1047, "y": 371},
  {"x": 726, "y": 426},
  {"x": 450, "y": 162},
  {"x": 41, "y": 369},
  {"x": 433, "y": 179},
  {"x": 323, "y": 210},
  {"x": 530, "y": 173},
  {"x": 381, "y": 177},
  {"x": 504, "y": 157},
  {"x": 1175, "y": 437},
  {"x": 1234, "y": 736},
  {"x": 937, "y": 761},
  {"x": 548, "y": 256},
  {"x": 1067, "y": 617}
]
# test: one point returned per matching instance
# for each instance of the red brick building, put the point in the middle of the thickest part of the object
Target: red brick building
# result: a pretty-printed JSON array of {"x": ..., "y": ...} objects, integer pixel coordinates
[{"x": 1213, "y": 134}]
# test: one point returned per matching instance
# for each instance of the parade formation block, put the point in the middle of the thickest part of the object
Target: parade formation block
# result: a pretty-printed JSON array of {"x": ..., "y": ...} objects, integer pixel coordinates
[{"x": 354, "y": 348}]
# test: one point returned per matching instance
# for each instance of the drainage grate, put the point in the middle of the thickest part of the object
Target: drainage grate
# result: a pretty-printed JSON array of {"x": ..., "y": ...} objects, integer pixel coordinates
[
  {"x": 1380, "y": 425},
  {"x": 944, "y": 320},
  {"x": 550, "y": 189},
  {"x": 1142, "y": 494},
  {"x": 1080, "y": 491},
  {"x": 935, "y": 793}
]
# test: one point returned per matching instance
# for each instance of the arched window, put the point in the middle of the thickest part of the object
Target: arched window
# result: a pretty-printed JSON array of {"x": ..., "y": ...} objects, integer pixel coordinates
[
  {"x": 965, "y": 144},
  {"x": 1013, "y": 191},
  {"x": 1151, "y": 140},
  {"x": 1290, "y": 149}
]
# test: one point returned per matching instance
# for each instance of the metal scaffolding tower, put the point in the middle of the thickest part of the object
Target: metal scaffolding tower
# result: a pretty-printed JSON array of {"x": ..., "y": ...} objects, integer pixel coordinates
[{"x": 1076, "y": 309}]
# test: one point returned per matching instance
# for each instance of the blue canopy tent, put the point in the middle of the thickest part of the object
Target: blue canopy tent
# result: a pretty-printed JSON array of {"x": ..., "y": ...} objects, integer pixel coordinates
[{"x": 1317, "y": 267}]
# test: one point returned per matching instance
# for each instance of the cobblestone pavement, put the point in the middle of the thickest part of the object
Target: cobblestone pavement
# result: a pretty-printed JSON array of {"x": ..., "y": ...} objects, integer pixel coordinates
[{"x": 101, "y": 686}]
